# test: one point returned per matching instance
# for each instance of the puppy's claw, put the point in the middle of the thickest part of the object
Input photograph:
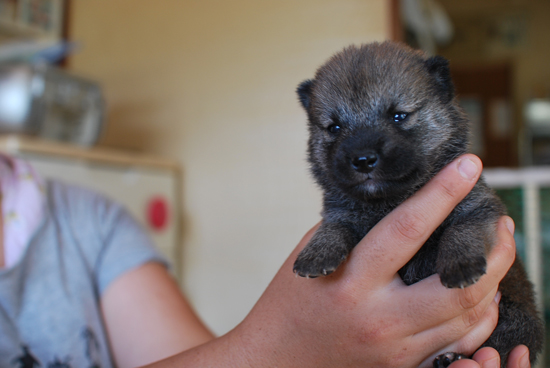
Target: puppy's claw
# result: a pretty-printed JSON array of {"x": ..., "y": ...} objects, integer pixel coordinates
[
  {"x": 312, "y": 269},
  {"x": 445, "y": 360},
  {"x": 311, "y": 274}
]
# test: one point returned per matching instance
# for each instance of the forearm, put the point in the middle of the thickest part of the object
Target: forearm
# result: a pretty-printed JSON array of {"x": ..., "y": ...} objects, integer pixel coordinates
[
  {"x": 272, "y": 335},
  {"x": 223, "y": 352},
  {"x": 216, "y": 353},
  {"x": 147, "y": 318}
]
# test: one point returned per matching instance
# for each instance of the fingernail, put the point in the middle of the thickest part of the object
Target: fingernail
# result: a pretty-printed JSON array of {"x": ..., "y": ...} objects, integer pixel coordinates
[
  {"x": 491, "y": 363},
  {"x": 467, "y": 168},
  {"x": 524, "y": 361},
  {"x": 510, "y": 225},
  {"x": 497, "y": 297}
]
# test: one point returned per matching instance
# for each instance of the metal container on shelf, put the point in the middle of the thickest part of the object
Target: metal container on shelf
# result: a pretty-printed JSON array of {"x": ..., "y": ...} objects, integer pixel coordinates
[{"x": 46, "y": 101}]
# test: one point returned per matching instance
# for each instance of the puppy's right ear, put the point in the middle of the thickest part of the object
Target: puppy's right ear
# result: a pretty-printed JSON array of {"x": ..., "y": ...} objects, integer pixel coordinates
[
  {"x": 438, "y": 66},
  {"x": 304, "y": 92}
]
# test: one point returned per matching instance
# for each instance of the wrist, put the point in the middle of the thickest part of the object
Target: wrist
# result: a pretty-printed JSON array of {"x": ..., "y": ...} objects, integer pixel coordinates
[
  {"x": 260, "y": 347},
  {"x": 274, "y": 342}
]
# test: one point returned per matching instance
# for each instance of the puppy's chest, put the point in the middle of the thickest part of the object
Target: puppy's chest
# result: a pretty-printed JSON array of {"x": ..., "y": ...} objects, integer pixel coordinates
[
  {"x": 359, "y": 217},
  {"x": 359, "y": 221},
  {"x": 422, "y": 265}
]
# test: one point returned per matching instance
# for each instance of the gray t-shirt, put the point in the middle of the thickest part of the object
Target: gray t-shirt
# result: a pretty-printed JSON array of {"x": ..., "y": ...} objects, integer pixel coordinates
[{"x": 49, "y": 301}]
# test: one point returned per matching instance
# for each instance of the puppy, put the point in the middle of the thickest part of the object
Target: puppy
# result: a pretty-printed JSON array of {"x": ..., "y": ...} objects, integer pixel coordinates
[{"x": 383, "y": 120}]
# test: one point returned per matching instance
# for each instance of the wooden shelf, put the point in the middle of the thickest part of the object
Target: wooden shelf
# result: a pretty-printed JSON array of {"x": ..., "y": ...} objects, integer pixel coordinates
[{"x": 20, "y": 144}]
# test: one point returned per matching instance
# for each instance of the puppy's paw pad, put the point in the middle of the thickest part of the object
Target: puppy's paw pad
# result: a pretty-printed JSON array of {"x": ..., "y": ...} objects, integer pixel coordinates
[
  {"x": 457, "y": 274},
  {"x": 445, "y": 360}
]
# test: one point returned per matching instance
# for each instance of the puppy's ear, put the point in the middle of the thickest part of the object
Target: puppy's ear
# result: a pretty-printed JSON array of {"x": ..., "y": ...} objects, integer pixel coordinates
[
  {"x": 304, "y": 92},
  {"x": 438, "y": 67}
]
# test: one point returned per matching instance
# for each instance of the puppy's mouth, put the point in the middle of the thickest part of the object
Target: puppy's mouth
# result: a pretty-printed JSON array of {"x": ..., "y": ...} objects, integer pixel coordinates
[{"x": 376, "y": 185}]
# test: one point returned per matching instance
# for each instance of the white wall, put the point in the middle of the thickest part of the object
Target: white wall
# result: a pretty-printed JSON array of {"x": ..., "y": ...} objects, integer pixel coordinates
[{"x": 211, "y": 83}]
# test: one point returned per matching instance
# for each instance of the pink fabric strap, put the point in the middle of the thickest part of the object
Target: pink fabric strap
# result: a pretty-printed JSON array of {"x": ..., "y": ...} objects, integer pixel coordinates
[{"x": 23, "y": 200}]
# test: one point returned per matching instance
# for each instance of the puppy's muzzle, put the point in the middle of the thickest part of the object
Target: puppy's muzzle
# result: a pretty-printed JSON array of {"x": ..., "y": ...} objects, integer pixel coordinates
[{"x": 365, "y": 163}]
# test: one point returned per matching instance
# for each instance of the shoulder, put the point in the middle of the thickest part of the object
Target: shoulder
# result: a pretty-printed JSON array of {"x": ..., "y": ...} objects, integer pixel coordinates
[
  {"x": 79, "y": 203},
  {"x": 73, "y": 196},
  {"x": 111, "y": 240}
]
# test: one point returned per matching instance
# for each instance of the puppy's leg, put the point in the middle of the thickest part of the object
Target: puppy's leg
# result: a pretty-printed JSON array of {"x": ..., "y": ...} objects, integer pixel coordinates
[
  {"x": 461, "y": 258},
  {"x": 328, "y": 247},
  {"x": 461, "y": 261}
]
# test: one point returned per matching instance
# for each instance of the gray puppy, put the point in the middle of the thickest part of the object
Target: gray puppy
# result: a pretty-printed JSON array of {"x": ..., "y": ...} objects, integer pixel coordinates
[{"x": 383, "y": 120}]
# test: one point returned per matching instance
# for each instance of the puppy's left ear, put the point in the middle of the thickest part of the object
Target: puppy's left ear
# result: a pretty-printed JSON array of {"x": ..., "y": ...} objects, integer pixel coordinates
[
  {"x": 304, "y": 92},
  {"x": 438, "y": 67}
]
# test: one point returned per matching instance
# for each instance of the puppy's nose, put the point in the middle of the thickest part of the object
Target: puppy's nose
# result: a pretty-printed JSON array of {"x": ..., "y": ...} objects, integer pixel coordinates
[{"x": 365, "y": 164}]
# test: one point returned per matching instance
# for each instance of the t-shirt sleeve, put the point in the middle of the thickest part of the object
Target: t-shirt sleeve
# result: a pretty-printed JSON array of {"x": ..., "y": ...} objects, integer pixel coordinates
[
  {"x": 126, "y": 246},
  {"x": 109, "y": 238}
]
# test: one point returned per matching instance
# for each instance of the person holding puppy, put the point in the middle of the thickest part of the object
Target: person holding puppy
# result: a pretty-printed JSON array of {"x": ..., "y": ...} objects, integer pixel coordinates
[{"x": 97, "y": 264}]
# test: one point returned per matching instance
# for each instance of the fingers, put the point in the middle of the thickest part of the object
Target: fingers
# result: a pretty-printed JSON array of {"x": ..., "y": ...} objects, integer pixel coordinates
[
  {"x": 467, "y": 363},
  {"x": 397, "y": 237},
  {"x": 434, "y": 304},
  {"x": 484, "y": 358},
  {"x": 518, "y": 358},
  {"x": 463, "y": 334},
  {"x": 487, "y": 358},
  {"x": 477, "y": 333}
]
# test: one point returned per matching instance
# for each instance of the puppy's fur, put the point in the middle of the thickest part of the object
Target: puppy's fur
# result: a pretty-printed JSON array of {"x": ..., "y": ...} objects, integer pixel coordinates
[{"x": 383, "y": 120}]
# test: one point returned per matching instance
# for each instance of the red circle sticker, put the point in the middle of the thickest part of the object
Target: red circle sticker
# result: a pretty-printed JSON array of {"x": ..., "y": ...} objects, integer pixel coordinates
[{"x": 157, "y": 213}]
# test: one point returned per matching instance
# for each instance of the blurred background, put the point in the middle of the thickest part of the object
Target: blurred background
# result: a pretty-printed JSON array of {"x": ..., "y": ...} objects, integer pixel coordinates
[{"x": 186, "y": 111}]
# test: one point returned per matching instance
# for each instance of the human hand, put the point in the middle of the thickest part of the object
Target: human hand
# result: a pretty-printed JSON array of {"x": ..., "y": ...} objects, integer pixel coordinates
[
  {"x": 363, "y": 314},
  {"x": 489, "y": 358}
]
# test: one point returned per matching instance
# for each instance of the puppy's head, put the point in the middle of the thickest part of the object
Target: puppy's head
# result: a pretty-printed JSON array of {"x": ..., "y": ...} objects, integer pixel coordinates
[{"x": 382, "y": 120}]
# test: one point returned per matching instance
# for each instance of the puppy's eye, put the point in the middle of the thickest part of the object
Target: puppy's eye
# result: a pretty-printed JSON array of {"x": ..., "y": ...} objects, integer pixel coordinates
[
  {"x": 400, "y": 116},
  {"x": 334, "y": 128}
]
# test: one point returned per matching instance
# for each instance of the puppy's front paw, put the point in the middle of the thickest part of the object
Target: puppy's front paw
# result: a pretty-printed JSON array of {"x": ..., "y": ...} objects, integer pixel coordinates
[
  {"x": 445, "y": 360},
  {"x": 327, "y": 249},
  {"x": 312, "y": 265},
  {"x": 457, "y": 273}
]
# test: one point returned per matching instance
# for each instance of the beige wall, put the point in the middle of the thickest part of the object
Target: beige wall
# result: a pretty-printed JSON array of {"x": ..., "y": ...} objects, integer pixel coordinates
[{"x": 211, "y": 84}]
